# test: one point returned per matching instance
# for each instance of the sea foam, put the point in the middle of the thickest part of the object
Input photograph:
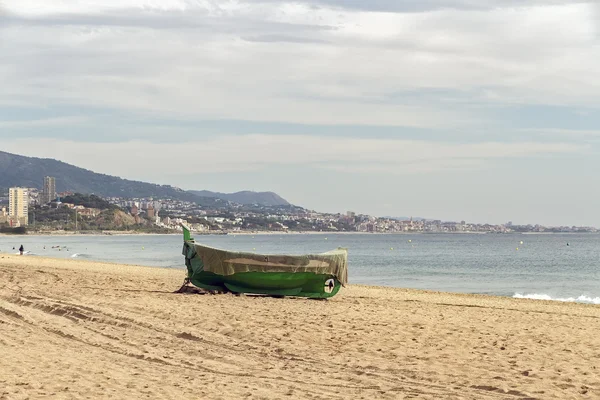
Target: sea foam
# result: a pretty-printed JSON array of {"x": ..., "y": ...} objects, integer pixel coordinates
[
  {"x": 581, "y": 299},
  {"x": 80, "y": 255}
]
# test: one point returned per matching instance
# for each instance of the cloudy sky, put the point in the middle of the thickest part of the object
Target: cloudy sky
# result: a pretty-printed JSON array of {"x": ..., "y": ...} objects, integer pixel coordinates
[{"x": 482, "y": 110}]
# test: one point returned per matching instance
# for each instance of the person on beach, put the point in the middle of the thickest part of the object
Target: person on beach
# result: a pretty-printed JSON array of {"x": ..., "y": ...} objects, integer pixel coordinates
[{"x": 21, "y": 249}]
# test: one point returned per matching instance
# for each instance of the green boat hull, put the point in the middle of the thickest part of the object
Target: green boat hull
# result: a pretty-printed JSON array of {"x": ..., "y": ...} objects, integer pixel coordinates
[
  {"x": 316, "y": 286},
  {"x": 322, "y": 283}
]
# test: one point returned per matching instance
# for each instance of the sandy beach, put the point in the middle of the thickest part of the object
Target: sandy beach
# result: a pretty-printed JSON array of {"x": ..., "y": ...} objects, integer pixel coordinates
[{"x": 71, "y": 329}]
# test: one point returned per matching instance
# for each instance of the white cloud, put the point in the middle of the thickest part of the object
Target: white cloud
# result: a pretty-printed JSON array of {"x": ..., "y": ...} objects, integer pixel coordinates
[
  {"x": 291, "y": 62},
  {"x": 463, "y": 67},
  {"x": 39, "y": 7}
]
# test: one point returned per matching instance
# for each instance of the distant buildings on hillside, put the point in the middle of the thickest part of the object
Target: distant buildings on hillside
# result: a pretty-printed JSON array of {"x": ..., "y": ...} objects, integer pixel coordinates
[
  {"x": 169, "y": 213},
  {"x": 20, "y": 198}
]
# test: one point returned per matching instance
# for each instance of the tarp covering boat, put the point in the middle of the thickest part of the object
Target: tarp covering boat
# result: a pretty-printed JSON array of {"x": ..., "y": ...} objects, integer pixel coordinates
[
  {"x": 224, "y": 262},
  {"x": 312, "y": 275}
]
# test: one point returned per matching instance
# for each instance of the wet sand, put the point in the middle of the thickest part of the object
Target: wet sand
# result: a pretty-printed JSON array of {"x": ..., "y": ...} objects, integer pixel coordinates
[{"x": 72, "y": 329}]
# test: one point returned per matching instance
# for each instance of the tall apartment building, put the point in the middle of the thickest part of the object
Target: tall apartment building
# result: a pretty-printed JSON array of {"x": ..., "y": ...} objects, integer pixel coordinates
[
  {"x": 49, "y": 190},
  {"x": 18, "y": 206}
]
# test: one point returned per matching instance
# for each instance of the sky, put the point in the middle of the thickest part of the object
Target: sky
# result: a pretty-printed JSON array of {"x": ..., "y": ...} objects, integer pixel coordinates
[{"x": 476, "y": 110}]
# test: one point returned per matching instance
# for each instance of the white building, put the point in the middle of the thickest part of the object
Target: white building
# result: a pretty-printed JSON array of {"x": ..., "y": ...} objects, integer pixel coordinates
[{"x": 18, "y": 206}]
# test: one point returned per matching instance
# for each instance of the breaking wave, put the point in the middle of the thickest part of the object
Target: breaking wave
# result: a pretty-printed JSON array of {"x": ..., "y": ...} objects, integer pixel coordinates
[
  {"x": 580, "y": 299},
  {"x": 80, "y": 255}
]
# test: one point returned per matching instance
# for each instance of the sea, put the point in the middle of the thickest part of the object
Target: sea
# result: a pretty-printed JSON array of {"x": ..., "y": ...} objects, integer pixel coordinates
[{"x": 561, "y": 267}]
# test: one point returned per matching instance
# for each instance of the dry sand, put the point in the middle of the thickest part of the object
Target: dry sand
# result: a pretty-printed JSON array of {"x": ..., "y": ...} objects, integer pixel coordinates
[{"x": 75, "y": 330}]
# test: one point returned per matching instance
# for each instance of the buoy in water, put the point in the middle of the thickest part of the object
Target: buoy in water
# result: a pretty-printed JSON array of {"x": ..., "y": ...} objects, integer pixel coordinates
[{"x": 521, "y": 242}]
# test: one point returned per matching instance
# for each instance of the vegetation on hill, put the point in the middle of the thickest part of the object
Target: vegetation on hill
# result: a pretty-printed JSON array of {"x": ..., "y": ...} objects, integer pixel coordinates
[
  {"x": 110, "y": 218},
  {"x": 89, "y": 201},
  {"x": 54, "y": 217}
]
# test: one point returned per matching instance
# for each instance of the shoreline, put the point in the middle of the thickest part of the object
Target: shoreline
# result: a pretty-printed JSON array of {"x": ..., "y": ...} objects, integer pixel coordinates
[
  {"x": 581, "y": 299},
  {"x": 292, "y": 233},
  {"x": 368, "y": 341},
  {"x": 55, "y": 262}
]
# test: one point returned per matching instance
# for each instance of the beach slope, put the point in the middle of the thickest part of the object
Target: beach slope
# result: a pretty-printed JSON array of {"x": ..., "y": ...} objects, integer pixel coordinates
[{"x": 72, "y": 329}]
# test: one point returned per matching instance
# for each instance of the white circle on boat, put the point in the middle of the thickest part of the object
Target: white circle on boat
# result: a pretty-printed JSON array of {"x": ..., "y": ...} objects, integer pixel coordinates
[{"x": 329, "y": 285}]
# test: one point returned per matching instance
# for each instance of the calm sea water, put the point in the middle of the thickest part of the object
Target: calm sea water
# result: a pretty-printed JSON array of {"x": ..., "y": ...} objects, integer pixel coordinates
[{"x": 542, "y": 266}]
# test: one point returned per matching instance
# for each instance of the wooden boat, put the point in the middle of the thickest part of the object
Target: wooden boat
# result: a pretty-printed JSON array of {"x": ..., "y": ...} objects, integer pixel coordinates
[{"x": 314, "y": 275}]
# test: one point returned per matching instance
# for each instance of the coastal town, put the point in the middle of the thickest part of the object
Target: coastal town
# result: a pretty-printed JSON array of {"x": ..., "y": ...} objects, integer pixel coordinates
[{"x": 48, "y": 211}]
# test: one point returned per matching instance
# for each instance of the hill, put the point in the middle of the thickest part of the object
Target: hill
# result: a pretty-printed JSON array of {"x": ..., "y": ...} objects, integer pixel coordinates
[
  {"x": 246, "y": 197},
  {"x": 114, "y": 219},
  {"x": 89, "y": 201},
  {"x": 16, "y": 170}
]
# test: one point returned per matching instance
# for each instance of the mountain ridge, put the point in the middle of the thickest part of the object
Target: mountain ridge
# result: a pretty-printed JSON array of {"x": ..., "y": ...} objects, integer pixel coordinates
[
  {"x": 18, "y": 170},
  {"x": 246, "y": 197},
  {"x": 24, "y": 171}
]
